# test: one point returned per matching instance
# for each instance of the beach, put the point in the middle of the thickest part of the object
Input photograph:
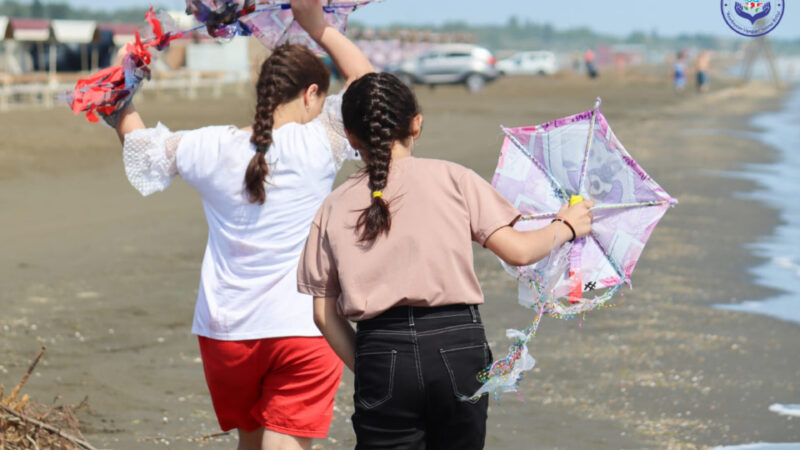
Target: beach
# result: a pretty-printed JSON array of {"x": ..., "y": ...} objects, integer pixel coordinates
[{"x": 107, "y": 280}]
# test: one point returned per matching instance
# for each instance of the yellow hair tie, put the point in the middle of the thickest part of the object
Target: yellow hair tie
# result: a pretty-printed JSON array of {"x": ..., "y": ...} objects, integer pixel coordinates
[{"x": 377, "y": 194}]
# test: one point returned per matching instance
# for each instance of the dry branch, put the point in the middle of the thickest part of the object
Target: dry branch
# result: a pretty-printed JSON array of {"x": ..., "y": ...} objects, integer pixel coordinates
[
  {"x": 24, "y": 380},
  {"x": 50, "y": 428}
]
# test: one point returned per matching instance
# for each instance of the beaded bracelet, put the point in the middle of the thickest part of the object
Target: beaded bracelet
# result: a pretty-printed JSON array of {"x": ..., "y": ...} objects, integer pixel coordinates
[{"x": 566, "y": 222}]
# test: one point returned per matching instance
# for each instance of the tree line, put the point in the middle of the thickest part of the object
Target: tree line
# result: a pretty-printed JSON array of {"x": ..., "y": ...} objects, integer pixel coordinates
[
  {"x": 62, "y": 10},
  {"x": 528, "y": 35},
  {"x": 514, "y": 34}
]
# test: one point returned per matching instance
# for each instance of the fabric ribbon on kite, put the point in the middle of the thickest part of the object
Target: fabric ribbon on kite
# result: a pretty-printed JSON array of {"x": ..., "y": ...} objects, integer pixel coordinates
[
  {"x": 110, "y": 89},
  {"x": 540, "y": 169},
  {"x": 107, "y": 92}
]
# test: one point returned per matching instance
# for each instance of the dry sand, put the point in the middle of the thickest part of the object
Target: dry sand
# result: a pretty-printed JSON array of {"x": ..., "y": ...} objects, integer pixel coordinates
[{"x": 107, "y": 279}]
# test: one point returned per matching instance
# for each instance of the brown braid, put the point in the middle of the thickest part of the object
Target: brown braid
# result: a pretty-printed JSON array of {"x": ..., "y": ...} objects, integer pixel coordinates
[
  {"x": 378, "y": 110},
  {"x": 286, "y": 74}
]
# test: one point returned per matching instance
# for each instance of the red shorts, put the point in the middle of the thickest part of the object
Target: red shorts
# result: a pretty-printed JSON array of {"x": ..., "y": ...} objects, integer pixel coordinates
[{"x": 286, "y": 385}]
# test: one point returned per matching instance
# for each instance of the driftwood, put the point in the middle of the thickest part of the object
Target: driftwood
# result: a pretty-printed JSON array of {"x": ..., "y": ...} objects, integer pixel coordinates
[
  {"x": 20, "y": 429},
  {"x": 15, "y": 391},
  {"x": 52, "y": 429}
]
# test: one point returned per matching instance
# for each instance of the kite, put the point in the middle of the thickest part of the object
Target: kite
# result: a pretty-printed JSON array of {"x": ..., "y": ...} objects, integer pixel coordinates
[
  {"x": 566, "y": 161},
  {"x": 107, "y": 92}
]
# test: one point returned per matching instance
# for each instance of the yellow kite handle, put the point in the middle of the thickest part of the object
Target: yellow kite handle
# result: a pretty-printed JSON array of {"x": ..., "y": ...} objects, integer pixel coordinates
[{"x": 575, "y": 199}]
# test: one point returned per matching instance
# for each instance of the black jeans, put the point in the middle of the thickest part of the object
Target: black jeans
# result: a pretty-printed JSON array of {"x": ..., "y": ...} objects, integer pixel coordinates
[{"x": 415, "y": 371}]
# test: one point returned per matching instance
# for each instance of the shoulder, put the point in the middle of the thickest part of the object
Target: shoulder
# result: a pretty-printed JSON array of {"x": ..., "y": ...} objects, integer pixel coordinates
[
  {"x": 200, "y": 151},
  {"x": 346, "y": 195},
  {"x": 306, "y": 138},
  {"x": 441, "y": 169},
  {"x": 212, "y": 136},
  {"x": 304, "y": 146},
  {"x": 441, "y": 164},
  {"x": 219, "y": 131},
  {"x": 299, "y": 131},
  {"x": 353, "y": 186}
]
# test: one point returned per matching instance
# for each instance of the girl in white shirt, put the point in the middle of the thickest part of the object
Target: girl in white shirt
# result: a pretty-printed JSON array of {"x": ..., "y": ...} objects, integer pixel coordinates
[{"x": 270, "y": 373}]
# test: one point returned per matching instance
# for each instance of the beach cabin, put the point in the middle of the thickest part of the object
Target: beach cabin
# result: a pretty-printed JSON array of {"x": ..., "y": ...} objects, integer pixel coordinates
[
  {"x": 26, "y": 42},
  {"x": 121, "y": 33},
  {"x": 4, "y": 44},
  {"x": 78, "y": 45},
  {"x": 42, "y": 45}
]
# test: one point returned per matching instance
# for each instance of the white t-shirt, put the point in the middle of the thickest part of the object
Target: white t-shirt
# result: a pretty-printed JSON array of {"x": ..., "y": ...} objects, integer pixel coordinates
[{"x": 248, "y": 283}]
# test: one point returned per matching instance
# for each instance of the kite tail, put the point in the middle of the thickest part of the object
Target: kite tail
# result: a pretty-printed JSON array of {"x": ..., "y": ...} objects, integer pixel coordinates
[{"x": 504, "y": 375}]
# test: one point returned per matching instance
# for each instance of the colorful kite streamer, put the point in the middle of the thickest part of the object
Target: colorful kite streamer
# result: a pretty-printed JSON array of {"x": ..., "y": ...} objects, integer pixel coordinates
[{"x": 108, "y": 91}]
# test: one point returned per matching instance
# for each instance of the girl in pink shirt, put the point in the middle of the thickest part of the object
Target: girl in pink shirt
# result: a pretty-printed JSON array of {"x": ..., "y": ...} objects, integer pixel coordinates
[{"x": 391, "y": 249}]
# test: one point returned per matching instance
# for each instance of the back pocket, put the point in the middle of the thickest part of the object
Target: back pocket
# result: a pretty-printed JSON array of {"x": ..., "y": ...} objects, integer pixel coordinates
[
  {"x": 463, "y": 365},
  {"x": 374, "y": 377}
]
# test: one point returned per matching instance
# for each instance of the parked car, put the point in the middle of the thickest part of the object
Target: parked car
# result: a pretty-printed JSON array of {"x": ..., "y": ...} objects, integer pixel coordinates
[
  {"x": 465, "y": 64},
  {"x": 529, "y": 63}
]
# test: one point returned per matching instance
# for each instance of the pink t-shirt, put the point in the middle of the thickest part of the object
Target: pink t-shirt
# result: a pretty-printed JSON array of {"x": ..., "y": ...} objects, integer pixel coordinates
[{"x": 438, "y": 209}]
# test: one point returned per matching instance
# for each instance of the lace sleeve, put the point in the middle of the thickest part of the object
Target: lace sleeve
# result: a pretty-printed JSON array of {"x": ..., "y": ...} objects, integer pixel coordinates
[
  {"x": 149, "y": 156},
  {"x": 331, "y": 119}
]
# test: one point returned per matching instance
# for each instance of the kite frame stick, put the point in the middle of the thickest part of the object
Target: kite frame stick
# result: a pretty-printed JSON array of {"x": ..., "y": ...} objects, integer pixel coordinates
[
  {"x": 536, "y": 162},
  {"x": 546, "y": 215},
  {"x": 589, "y": 141}
]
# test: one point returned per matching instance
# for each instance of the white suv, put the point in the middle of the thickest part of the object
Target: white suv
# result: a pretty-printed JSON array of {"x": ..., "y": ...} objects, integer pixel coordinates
[
  {"x": 529, "y": 63},
  {"x": 449, "y": 64}
]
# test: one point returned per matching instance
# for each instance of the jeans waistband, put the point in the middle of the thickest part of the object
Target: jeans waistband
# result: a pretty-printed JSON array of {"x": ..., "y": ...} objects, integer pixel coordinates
[{"x": 418, "y": 315}]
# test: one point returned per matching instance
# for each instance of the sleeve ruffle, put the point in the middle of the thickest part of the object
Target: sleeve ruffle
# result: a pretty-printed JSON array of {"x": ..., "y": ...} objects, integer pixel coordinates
[
  {"x": 149, "y": 156},
  {"x": 331, "y": 119}
]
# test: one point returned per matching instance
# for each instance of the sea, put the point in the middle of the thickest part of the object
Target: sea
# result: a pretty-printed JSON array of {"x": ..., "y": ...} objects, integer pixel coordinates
[{"x": 778, "y": 186}]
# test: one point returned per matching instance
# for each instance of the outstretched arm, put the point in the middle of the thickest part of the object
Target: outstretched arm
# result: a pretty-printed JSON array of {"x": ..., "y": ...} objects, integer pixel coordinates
[
  {"x": 521, "y": 248},
  {"x": 349, "y": 59},
  {"x": 336, "y": 329}
]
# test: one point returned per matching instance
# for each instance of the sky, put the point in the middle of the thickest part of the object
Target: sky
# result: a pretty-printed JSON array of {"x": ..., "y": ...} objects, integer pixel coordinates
[{"x": 667, "y": 17}]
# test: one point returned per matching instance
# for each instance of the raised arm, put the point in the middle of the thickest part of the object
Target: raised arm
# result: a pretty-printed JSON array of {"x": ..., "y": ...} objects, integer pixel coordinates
[
  {"x": 129, "y": 121},
  {"x": 349, "y": 59},
  {"x": 521, "y": 248}
]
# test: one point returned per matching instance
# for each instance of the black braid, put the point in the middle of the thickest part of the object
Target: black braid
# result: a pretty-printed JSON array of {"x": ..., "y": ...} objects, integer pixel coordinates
[{"x": 378, "y": 109}]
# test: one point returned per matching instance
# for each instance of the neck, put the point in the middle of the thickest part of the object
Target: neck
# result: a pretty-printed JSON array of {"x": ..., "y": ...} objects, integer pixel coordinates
[
  {"x": 289, "y": 112},
  {"x": 401, "y": 151}
]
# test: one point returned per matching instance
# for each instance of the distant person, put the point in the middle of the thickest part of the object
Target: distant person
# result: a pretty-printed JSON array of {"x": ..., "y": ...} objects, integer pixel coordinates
[
  {"x": 679, "y": 72},
  {"x": 588, "y": 58},
  {"x": 703, "y": 65},
  {"x": 271, "y": 374},
  {"x": 576, "y": 62},
  {"x": 391, "y": 249},
  {"x": 621, "y": 64}
]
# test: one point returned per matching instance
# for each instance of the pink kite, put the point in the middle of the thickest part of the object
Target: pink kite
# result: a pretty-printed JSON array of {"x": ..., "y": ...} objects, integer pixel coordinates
[{"x": 540, "y": 169}]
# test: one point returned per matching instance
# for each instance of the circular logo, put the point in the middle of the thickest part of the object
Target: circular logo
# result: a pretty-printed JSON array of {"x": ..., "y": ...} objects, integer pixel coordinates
[{"x": 752, "y": 18}]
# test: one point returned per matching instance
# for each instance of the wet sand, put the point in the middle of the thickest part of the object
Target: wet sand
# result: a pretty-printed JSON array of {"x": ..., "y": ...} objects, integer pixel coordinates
[{"x": 107, "y": 279}]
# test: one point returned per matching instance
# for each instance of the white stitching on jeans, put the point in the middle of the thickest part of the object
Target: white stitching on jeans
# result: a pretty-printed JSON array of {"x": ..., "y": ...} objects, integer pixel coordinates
[
  {"x": 473, "y": 326},
  {"x": 434, "y": 316},
  {"x": 444, "y": 352},
  {"x": 391, "y": 381}
]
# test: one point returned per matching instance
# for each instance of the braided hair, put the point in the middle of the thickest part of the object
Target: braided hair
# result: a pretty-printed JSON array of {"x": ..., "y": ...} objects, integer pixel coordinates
[
  {"x": 285, "y": 75},
  {"x": 378, "y": 110}
]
